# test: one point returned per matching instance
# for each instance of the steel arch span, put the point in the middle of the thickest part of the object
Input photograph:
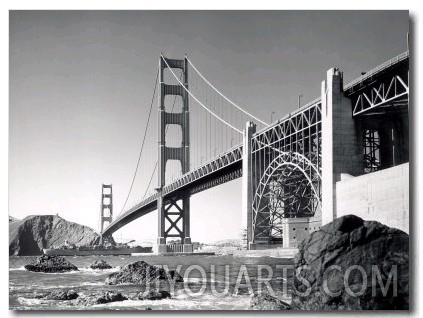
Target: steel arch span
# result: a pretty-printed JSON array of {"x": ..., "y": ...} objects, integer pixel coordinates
[{"x": 289, "y": 187}]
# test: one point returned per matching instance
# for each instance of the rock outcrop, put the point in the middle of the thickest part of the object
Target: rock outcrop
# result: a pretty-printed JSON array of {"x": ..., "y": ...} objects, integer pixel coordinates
[
  {"x": 141, "y": 273},
  {"x": 34, "y": 233},
  {"x": 343, "y": 266},
  {"x": 50, "y": 264},
  {"x": 267, "y": 302},
  {"x": 103, "y": 298},
  {"x": 154, "y": 295},
  {"x": 62, "y": 295},
  {"x": 100, "y": 264}
]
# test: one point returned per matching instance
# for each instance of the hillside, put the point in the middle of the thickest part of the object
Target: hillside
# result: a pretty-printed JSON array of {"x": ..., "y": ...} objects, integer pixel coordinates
[{"x": 30, "y": 235}]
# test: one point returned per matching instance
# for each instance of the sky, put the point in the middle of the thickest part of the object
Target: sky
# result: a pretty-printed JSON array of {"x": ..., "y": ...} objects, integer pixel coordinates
[{"x": 81, "y": 83}]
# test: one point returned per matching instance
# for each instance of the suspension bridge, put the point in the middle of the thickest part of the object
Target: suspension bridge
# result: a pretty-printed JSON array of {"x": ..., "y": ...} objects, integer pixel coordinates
[{"x": 290, "y": 168}]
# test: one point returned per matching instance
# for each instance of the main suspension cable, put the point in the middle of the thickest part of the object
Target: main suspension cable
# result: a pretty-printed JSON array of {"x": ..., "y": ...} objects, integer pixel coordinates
[
  {"x": 221, "y": 94},
  {"x": 157, "y": 162},
  {"x": 142, "y": 145},
  {"x": 196, "y": 99}
]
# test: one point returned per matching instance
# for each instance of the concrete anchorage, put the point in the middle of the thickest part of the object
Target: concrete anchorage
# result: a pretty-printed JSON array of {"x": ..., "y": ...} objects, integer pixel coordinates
[{"x": 341, "y": 145}]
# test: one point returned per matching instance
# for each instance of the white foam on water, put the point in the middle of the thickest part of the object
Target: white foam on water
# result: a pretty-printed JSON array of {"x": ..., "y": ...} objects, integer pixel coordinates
[
  {"x": 30, "y": 301},
  {"x": 201, "y": 280},
  {"x": 22, "y": 268},
  {"x": 88, "y": 270},
  {"x": 92, "y": 284},
  {"x": 55, "y": 287},
  {"x": 61, "y": 273},
  {"x": 124, "y": 303}
]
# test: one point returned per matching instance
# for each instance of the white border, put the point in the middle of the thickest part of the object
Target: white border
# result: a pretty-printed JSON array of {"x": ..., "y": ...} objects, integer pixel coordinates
[{"x": 215, "y": 4}]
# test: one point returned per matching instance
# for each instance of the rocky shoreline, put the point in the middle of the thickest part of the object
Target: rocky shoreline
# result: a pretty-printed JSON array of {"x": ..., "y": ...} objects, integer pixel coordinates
[{"x": 349, "y": 264}]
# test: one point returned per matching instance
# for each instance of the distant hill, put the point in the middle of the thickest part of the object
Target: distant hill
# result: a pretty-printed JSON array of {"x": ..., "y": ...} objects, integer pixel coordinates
[
  {"x": 227, "y": 242},
  {"x": 12, "y": 219},
  {"x": 30, "y": 235}
]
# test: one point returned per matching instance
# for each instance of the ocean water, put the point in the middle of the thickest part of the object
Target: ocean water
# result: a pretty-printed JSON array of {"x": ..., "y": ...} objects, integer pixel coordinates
[{"x": 204, "y": 278}]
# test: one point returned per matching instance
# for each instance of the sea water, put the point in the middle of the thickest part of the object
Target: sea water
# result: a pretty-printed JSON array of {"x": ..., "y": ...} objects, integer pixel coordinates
[{"x": 205, "y": 280}]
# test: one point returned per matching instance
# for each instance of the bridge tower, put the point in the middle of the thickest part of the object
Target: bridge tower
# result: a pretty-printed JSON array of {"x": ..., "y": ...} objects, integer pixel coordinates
[
  {"x": 173, "y": 212},
  {"x": 106, "y": 212}
]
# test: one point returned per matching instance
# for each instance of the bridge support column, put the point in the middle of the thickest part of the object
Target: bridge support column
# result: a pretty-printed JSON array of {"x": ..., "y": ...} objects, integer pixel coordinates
[
  {"x": 341, "y": 151},
  {"x": 161, "y": 240},
  {"x": 188, "y": 247},
  {"x": 174, "y": 217},
  {"x": 247, "y": 189}
]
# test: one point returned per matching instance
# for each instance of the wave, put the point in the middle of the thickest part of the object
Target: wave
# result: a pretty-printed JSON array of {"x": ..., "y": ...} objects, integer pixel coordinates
[
  {"x": 89, "y": 270},
  {"x": 83, "y": 270},
  {"x": 92, "y": 284},
  {"x": 22, "y": 268},
  {"x": 30, "y": 301},
  {"x": 199, "y": 280}
]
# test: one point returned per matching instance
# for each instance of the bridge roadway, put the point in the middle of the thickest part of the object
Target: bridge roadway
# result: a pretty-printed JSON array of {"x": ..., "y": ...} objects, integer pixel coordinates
[{"x": 224, "y": 168}]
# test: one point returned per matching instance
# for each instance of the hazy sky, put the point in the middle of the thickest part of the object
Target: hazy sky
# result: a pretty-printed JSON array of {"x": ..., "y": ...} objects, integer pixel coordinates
[{"x": 81, "y": 84}]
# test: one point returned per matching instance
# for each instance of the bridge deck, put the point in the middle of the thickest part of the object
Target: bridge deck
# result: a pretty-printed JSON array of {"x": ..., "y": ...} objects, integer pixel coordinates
[{"x": 221, "y": 169}]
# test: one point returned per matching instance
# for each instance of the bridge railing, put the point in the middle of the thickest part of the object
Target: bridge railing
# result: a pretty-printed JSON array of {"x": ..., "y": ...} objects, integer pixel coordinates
[
  {"x": 377, "y": 69},
  {"x": 289, "y": 116}
]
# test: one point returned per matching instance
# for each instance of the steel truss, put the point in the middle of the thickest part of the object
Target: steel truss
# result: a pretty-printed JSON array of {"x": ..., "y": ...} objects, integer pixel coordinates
[
  {"x": 174, "y": 216},
  {"x": 286, "y": 172},
  {"x": 388, "y": 89},
  {"x": 371, "y": 150},
  {"x": 214, "y": 182}
]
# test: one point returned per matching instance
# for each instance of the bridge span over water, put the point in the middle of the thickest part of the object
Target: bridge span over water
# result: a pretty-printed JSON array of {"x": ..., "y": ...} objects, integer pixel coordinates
[{"x": 290, "y": 167}]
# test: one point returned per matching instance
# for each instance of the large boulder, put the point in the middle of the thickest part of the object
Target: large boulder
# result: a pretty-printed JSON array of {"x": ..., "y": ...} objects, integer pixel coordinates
[
  {"x": 100, "y": 264},
  {"x": 37, "y": 232},
  {"x": 50, "y": 264},
  {"x": 141, "y": 273},
  {"x": 343, "y": 265},
  {"x": 267, "y": 302}
]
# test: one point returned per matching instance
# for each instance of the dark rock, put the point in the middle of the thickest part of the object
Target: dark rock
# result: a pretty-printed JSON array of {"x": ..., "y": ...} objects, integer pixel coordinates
[
  {"x": 350, "y": 248},
  {"x": 140, "y": 273},
  {"x": 104, "y": 298},
  {"x": 148, "y": 308},
  {"x": 154, "y": 295},
  {"x": 50, "y": 264},
  {"x": 109, "y": 297},
  {"x": 62, "y": 295},
  {"x": 37, "y": 232},
  {"x": 174, "y": 275},
  {"x": 267, "y": 302},
  {"x": 100, "y": 265}
]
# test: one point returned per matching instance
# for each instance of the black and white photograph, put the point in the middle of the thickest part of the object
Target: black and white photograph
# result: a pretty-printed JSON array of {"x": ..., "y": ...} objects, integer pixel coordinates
[{"x": 203, "y": 160}]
